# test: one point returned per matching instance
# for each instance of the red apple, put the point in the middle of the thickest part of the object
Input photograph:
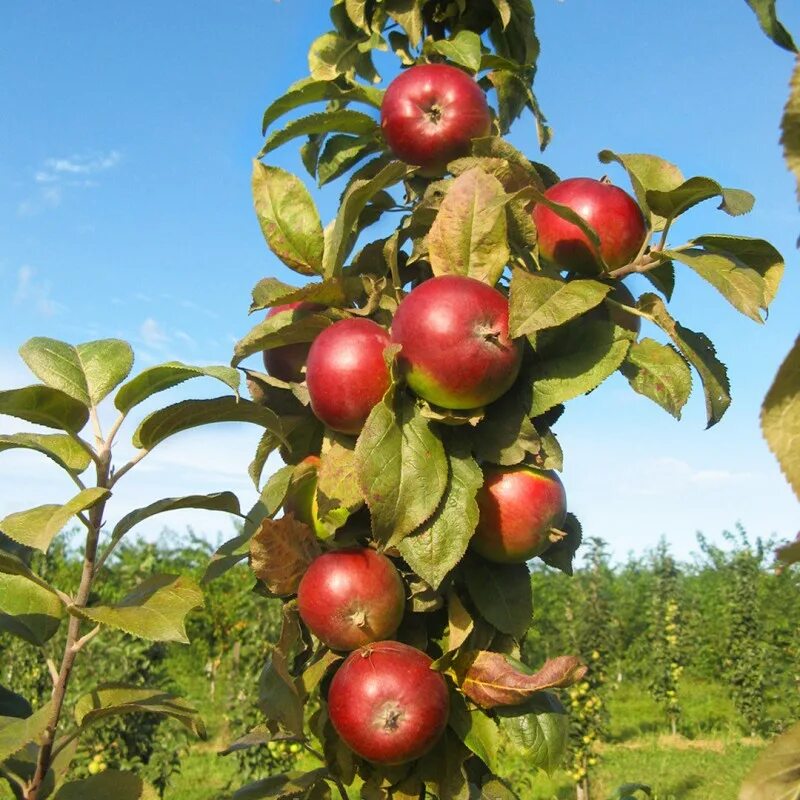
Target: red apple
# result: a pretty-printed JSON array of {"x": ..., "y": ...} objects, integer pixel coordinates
[
  {"x": 518, "y": 506},
  {"x": 346, "y": 373},
  {"x": 431, "y": 113},
  {"x": 387, "y": 704},
  {"x": 287, "y": 361},
  {"x": 349, "y": 598},
  {"x": 456, "y": 351},
  {"x": 610, "y": 211}
]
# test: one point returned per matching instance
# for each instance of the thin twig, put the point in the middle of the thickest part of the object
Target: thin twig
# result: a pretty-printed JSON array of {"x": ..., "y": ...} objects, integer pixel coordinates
[
  {"x": 84, "y": 640},
  {"x": 132, "y": 463},
  {"x": 52, "y": 669}
]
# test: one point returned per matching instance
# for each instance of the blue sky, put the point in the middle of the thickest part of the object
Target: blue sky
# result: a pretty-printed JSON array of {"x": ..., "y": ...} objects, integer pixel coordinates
[{"x": 126, "y": 136}]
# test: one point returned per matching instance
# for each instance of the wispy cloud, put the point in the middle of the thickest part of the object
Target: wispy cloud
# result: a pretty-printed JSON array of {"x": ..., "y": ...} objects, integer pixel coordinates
[
  {"x": 35, "y": 292},
  {"x": 153, "y": 334}
]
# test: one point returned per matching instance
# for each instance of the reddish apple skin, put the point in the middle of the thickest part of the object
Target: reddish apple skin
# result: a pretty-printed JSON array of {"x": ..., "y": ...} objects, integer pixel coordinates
[
  {"x": 456, "y": 351},
  {"x": 518, "y": 506},
  {"x": 613, "y": 214},
  {"x": 387, "y": 704},
  {"x": 431, "y": 113},
  {"x": 286, "y": 362},
  {"x": 346, "y": 373},
  {"x": 352, "y": 597}
]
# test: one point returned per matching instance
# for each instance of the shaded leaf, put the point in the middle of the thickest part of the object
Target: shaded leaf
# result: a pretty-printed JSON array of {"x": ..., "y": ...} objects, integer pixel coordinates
[
  {"x": 16, "y": 733},
  {"x": 106, "y": 784},
  {"x": 155, "y": 610},
  {"x": 225, "y": 557},
  {"x": 561, "y": 554},
  {"x": 288, "y": 786},
  {"x": 674, "y": 202},
  {"x": 789, "y": 553},
  {"x": 270, "y": 292},
  {"x": 58, "y": 447},
  {"x": 38, "y": 526},
  {"x": 776, "y": 773},
  {"x": 29, "y": 608},
  {"x": 341, "y": 152},
  {"x": 288, "y": 218},
  {"x": 469, "y": 234},
  {"x": 408, "y": 14},
  {"x": 164, "y": 376},
  {"x": 43, "y": 405},
  {"x": 502, "y": 594},
  {"x": 13, "y": 704},
  {"x": 659, "y": 372},
  {"x": 278, "y": 698},
  {"x": 478, "y": 731},
  {"x": 790, "y": 127},
  {"x": 280, "y": 553},
  {"x": 112, "y": 699},
  {"x": 780, "y": 417},
  {"x": 341, "y": 121},
  {"x": 771, "y": 25}
]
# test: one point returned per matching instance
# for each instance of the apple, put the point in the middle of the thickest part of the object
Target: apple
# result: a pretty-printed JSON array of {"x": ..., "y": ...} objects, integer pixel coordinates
[
  {"x": 351, "y": 597},
  {"x": 387, "y": 704},
  {"x": 456, "y": 352},
  {"x": 346, "y": 373},
  {"x": 517, "y": 507},
  {"x": 431, "y": 113},
  {"x": 287, "y": 361},
  {"x": 610, "y": 211}
]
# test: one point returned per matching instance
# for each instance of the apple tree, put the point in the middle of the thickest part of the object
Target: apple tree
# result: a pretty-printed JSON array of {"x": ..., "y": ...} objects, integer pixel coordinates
[{"x": 460, "y": 298}]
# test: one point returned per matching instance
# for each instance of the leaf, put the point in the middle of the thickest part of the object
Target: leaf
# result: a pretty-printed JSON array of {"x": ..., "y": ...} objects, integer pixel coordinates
[
  {"x": 155, "y": 610},
  {"x": 495, "y": 679},
  {"x": 659, "y": 372},
  {"x": 441, "y": 543},
  {"x": 13, "y": 704},
  {"x": 225, "y": 557},
  {"x": 226, "y": 502},
  {"x": 561, "y": 554},
  {"x": 287, "y": 786},
  {"x": 646, "y": 172},
  {"x": 107, "y": 784},
  {"x": 332, "y": 55},
  {"x": 538, "y": 301},
  {"x": 463, "y": 49},
  {"x": 341, "y": 152},
  {"x": 337, "y": 482},
  {"x": 86, "y": 373},
  {"x": 502, "y": 594},
  {"x": 288, "y": 218},
  {"x": 29, "y": 608},
  {"x": 342, "y": 121},
  {"x": 164, "y": 376},
  {"x": 697, "y": 349},
  {"x": 576, "y": 360},
  {"x": 771, "y": 25},
  {"x": 506, "y": 435},
  {"x": 354, "y": 199},
  {"x": 742, "y": 287},
  {"x": 280, "y": 553},
  {"x": 673, "y": 203},
  {"x": 408, "y": 14},
  {"x": 58, "y": 447},
  {"x": 43, "y": 405},
  {"x": 780, "y": 417},
  {"x": 538, "y": 731},
  {"x": 478, "y": 731},
  {"x": 314, "y": 91},
  {"x": 187, "y": 414},
  {"x": 315, "y": 672},
  {"x": 469, "y": 234},
  {"x": 115, "y": 699},
  {"x": 776, "y": 773},
  {"x": 38, "y": 526},
  {"x": 789, "y": 553},
  {"x": 402, "y": 468},
  {"x": 269, "y": 292},
  {"x": 790, "y": 127},
  {"x": 16, "y": 733},
  {"x": 277, "y": 694}
]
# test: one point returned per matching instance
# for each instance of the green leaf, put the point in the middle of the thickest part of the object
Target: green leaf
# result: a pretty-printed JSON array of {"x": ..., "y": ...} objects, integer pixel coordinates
[
  {"x": 402, "y": 468},
  {"x": 340, "y": 291},
  {"x": 154, "y": 610},
  {"x": 538, "y": 731},
  {"x": 658, "y": 372},
  {"x": 463, "y": 49},
  {"x": 442, "y": 541},
  {"x": 780, "y": 417},
  {"x": 38, "y": 526},
  {"x": 502, "y": 594},
  {"x": 16, "y": 733},
  {"x": 338, "y": 493},
  {"x": 58, "y": 447},
  {"x": 772, "y": 27},
  {"x": 576, "y": 360},
  {"x": 106, "y": 784},
  {"x": 789, "y": 553},
  {"x": 187, "y": 414},
  {"x": 697, "y": 349},
  {"x": 164, "y": 376},
  {"x": 86, "y": 373},
  {"x": 342, "y": 121},
  {"x": 11, "y": 564},
  {"x": 288, "y": 218},
  {"x": 332, "y": 55},
  {"x": 43, "y": 405},
  {"x": 112, "y": 699},
  {"x": 538, "y": 301},
  {"x": 478, "y": 731},
  {"x": 561, "y": 554},
  {"x": 790, "y": 128},
  {"x": 314, "y": 91},
  {"x": 225, "y": 557},
  {"x": 29, "y": 608},
  {"x": 277, "y": 694},
  {"x": 673, "y": 203},
  {"x": 341, "y": 152},
  {"x": 355, "y": 198},
  {"x": 408, "y": 14},
  {"x": 286, "y": 786},
  {"x": 13, "y": 704},
  {"x": 469, "y": 235},
  {"x": 776, "y": 773},
  {"x": 647, "y": 173},
  {"x": 741, "y": 286}
]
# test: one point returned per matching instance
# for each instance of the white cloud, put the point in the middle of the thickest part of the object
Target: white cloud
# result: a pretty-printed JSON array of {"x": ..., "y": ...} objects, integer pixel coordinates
[
  {"x": 153, "y": 334},
  {"x": 34, "y": 292}
]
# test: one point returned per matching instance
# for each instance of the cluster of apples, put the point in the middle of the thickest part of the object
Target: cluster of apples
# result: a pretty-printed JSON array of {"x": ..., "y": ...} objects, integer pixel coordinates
[{"x": 455, "y": 353}]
